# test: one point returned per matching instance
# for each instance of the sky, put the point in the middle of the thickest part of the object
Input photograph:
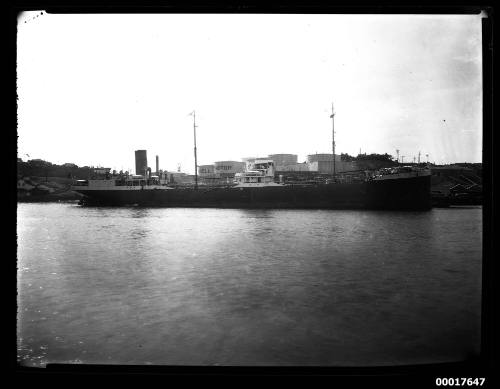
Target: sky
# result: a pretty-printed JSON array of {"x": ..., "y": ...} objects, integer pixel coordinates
[{"x": 93, "y": 88}]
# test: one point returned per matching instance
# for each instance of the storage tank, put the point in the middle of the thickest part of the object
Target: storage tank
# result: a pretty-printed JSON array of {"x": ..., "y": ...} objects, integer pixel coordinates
[
  {"x": 322, "y": 158},
  {"x": 283, "y": 159},
  {"x": 141, "y": 162}
]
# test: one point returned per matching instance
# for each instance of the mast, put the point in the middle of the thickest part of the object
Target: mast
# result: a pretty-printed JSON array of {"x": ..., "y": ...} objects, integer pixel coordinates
[
  {"x": 332, "y": 116},
  {"x": 195, "y": 157}
]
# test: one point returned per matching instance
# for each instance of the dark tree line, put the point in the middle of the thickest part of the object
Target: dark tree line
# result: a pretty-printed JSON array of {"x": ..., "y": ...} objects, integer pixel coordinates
[
  {"x": 367, "y": 157},
  {"x": 41, "y": 168}
]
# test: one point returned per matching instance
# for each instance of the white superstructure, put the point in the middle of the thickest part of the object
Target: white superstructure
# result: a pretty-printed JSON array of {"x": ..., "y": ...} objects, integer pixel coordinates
[
  {"x": 260, "y": 173},
  {"x": 131, "y": 182}
]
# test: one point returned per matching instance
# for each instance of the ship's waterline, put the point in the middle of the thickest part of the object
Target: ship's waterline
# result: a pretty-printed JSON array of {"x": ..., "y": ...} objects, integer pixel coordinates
[{"x": 178, "y": 286}]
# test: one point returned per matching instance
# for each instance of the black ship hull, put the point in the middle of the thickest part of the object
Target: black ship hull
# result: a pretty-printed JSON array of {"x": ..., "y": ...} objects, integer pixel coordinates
[{"x": 399, "y": 194}]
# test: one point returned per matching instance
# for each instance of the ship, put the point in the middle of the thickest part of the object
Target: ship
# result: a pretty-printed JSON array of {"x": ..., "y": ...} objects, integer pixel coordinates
[{"x": 396, "y": 188}]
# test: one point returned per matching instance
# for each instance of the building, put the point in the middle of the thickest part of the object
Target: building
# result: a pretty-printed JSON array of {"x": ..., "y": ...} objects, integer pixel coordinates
[
  {"x": 326, "y": 167},
  {"x": 323, "y": 163},
  {"x": 102, "y": 170},
  {"x": 220, "y": 172},
  {"x": 228, "y": 169},
  {"x": 207, "y": 175},
  {"x": 179, "y": 178},
  {"x": 322, "y": 158},
  {"x": 206, "y": 170},
  {"x": 296, "y": 167},
  {"x": 286, "y": 162},
  {"x": 283, "y": 159}
]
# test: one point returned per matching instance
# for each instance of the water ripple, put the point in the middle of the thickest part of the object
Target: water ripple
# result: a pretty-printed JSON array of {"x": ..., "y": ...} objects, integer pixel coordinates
[{"x": 217, "y": 286}]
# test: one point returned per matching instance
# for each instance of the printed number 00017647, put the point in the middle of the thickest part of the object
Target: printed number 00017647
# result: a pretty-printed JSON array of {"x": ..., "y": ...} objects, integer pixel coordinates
[{"x": 460, "y": 381}]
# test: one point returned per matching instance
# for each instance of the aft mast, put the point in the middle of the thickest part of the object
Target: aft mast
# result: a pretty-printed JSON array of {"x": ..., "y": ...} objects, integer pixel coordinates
[
  {"x": 195, "y": 157},
  {"x": 332, "y": 116}
]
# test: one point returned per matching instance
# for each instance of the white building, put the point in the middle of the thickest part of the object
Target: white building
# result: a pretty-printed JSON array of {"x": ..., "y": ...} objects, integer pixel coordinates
[
  {"x": 206, "y": 170},
  {"x": 296, "y": 167},
  {"x": 178, "y": 177},
  {"x": 327, "y": 166},
  {"x": 323, "y": 163},
  {"x": 229, "y": 168},
  {"x": 322, "y": 158},
  {"x": 283, "y": 159},
  {"x": 102, "y": 170}
]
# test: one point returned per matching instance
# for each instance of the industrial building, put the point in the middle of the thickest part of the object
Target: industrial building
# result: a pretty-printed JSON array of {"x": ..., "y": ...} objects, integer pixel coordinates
[
  {"x": 179, "y": 178},
  {"x": 283, "y": 159},
  {"x": 222, "y": 172},
  {"x": 207, "y": 175},
  {"x": 227, "y": 169},
  {"x": 206, "y": 170},
  {"x": 323, "y": 163},
  {"x": 296, "y": 167},
  {"x": 322, "y": 158},
  {"x": 282, "y": 162},
  {"x": 317, "y": 163},
  {"x": 327, "y": 167}
]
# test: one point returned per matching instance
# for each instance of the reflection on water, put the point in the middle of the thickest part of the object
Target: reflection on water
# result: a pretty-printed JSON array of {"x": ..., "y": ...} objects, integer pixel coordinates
[
  {"x": 255, "y": 287},
  {"x": 256, "y": 213},
  {"x": 139, "y": 233},
  {"x": 140, "y": 212}
]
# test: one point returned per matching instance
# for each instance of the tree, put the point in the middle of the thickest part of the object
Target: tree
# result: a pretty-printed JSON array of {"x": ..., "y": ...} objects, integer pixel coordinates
[
  {"x": 375, "y": 157},
  {"x": 346, "y": 157}
]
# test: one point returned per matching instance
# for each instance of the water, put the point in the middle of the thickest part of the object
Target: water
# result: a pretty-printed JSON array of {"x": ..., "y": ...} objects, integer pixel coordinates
[{"x": 247, "y": 287}]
